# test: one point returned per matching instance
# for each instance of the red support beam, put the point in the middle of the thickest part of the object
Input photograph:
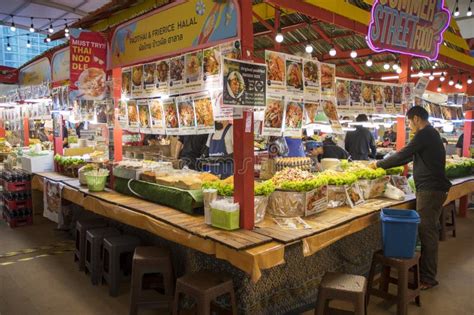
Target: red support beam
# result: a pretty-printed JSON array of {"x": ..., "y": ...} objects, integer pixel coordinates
[
  {"x": 264, "y": 23},
  {"x": 277, "y": 46},
  {"x": 284, "y": 30}
]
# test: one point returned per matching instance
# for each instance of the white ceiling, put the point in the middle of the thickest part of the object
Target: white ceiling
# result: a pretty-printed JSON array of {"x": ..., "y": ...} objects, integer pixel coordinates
[
  {"x": 57, "y": 10},
  {"x": 465, "y": 23}
]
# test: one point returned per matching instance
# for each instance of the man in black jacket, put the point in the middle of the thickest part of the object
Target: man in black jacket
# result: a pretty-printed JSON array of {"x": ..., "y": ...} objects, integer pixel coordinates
[
  {"x": 360, "y": 141},
  {"x": 429, "y": 159}
]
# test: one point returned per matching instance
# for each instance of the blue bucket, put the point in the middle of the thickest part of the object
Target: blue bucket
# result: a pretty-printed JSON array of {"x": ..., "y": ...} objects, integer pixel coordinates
[{"x": 399, "y": 232}]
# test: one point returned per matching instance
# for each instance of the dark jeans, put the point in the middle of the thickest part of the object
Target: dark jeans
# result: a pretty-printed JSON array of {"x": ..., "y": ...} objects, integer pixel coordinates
[{"x": 429, "y": 205}]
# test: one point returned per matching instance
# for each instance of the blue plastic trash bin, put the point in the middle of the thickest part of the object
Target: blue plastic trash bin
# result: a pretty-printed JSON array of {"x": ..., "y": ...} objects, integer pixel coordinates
[{"x": 399, "y": 232}]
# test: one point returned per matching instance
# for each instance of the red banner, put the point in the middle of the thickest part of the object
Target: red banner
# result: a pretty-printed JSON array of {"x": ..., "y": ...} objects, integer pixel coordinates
[
  {"x": 8, "y": 75},
  {"x": 88, "y": 56}
]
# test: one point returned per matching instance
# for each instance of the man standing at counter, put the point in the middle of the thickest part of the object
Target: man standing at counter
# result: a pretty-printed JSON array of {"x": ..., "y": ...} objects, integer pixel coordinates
[
  {"x": 360, "y": 141},
  {"x": 429, "y": 159}
]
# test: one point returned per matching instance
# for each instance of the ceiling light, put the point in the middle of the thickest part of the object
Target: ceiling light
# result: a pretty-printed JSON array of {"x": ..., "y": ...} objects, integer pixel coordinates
[
  {"x": 411, "y": 68},
  {"x": 32, "y": 27},
  {"x": 48, "y": 39},
  {"x": 309, "y": 49},
  {"x": 279, "y": 36},
  {"x": 434, "y": 67},
  {"x": 395, "y": 66},
  {"x": 66, "y": 29},
  {"x": 431, "y": 77},
  {"x": 469, "y": 12},
  {"x": 369, "y": 62},
  {"x": 8, "y": 44},
  {"x": 28, "y": 44},
  {"x": 386, "y": 66},
  {"x": 436, "y": 64},
  {"x": 451, "y": 81},
  {"x": 12, "y": 27},
  {"x": 456, "y": 11},
  {"x": 439, "y": 88},
  {"x": 469, "y": 80},
  {"x": 332, "y": 52},
  {"x": 442, "y": 77},
  {"x": 353, "y": 54},
  {"x": 50, "y": 29},
  {"x": 66, "y": 34},
  {"x": 399, "y": 70}
]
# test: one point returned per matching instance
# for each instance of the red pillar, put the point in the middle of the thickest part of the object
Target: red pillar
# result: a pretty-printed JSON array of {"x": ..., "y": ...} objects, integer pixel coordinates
[
  {"x": 405, "y": 64},
  {"x": 243, "y": 134},
  {"x": 466, "y": 151},
  {"x": 26, "y": 132},
  {"x": 117, "y": 95}
]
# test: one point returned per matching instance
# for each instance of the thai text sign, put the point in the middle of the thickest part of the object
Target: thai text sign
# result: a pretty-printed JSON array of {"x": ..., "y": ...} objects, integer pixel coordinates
[{"x": 413, "y": 27}]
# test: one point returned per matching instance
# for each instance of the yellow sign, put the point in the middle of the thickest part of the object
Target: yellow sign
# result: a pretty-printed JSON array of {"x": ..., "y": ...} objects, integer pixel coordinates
[
  {"x": 176, "y": 28},
  {"x": 36, "y": 72}
]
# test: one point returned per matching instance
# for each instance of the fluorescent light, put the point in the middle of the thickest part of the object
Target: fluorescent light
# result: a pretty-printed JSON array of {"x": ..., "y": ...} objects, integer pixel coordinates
[{"x": 393, "y": 77}]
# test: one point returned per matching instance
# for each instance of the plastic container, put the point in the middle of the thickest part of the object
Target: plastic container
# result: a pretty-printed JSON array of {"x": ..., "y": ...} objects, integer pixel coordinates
[
  {"x": 399, "y": 232},
  {"x": 227, "y": 220},
  {"x": 96, "y": 182}
]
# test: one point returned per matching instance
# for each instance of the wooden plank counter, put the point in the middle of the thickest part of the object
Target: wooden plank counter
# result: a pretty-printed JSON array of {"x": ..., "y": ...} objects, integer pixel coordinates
[{"x": 250, "y": 251}]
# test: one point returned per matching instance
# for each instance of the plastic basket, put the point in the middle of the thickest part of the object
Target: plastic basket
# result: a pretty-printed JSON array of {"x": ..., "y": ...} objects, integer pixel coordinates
[
  {"x": 96, "y": 182},
  {"x": 399, "y": 232},
  {"x": 224, "y": 219}
]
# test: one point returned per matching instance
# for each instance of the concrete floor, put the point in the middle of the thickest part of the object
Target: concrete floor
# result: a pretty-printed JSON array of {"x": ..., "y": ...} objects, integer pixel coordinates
[{"x": 39, "y": 277}]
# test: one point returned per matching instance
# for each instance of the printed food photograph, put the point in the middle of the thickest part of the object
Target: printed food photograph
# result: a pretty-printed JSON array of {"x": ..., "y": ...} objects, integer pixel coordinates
[
  {"x": 397, "y": 94},
  {"x": 122, "y": 109},
  {"x": 132, "y": 112},
  {"x": 144, "y": 115},
  {"x": 235, "y": 84},
  {"x": 327, "y": 76},
  {"x": 355, "y": 90},
  {"x": 311, "y": 110},
  {"x": 367, "y": 92},
  {"x": 274, "y": 113},
  {"x": 342, "y": 91},
  {"x": 211, "y": 61},
  {"x": 177, "y": 68},
  {"x": 137, "y": 75},
  {"x": 92, "y": 83},
  {"x": 193, "y": 69},
  {"x": 294, "y": 115},
  {"x": 186, "y": 114},
  {"x": 378, "y": 94},
  {"x": 330, "y": 110},
  {"x": 171, "y": 116},
  {"x": 388, "y": 94},
  {"x": 126, "y": 82},
  {"x": 162, "y": 71},
  {"x": 150, "y": 69},
  {"x": 435, "y": 110},
  {"x": 294, "y": 75},
  {"x": 204, "y": 112},
  {"x": 275, "y": 67},
  {"x": 311, "y": 75},
  {"x": 156, "y": 110}
]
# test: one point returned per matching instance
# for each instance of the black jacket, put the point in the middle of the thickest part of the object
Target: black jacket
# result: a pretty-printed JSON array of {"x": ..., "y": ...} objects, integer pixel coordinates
[
  {"x": 334, "y": 152},
  {"x": 359, "y": 142},
  {"x": 429, "y": 160}
]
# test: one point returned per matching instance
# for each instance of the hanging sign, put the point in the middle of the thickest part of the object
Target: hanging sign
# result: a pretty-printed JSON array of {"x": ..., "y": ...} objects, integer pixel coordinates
[
  {"x": 410, "y": 27},
  {"x": 60, "y": 65},
  {"x": 36, "y": 72},
  {"x": 181, "y": 26},
  {"x": 88, "y": 55}
]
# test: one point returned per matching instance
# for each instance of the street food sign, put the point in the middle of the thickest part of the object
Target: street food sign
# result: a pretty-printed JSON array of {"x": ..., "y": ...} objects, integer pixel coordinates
[{"x": 413, "y": 27}]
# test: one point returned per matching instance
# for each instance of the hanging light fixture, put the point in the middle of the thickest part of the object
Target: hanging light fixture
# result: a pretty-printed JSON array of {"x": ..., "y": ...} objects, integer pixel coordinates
[
  {"x": 369, "y": 62},
  {"x": 50, "y": 29},
  {"x": 32, "y": 27},
  {"x": 442, "y": 77},
  {"x": 386, "y": 66},
  {"x": 309, "y": 49},
  {"x": 12, "y": 27},
  {"x": 431, "y": 77},
  {"x": 66, "y": 30},
  {"x": 66, "y": 34},
  {"x": 451, "y": 81},
  {"x": 332, "y": 52},
  {"x": 8, "y": 44},
  {"x": 460, "y": 85},
  {"x": 469, "y": 11},
  {"x": 399, "y": 70},
  {"x": 456, "y": 11},
  {"x": 469, "y": 80},
  {"x": 48, "y": 39},
  {"x": 439, "y": 88},
  {"x": 28, "y": 42},
  {"x": 353, "y": 52},
  {"x": 395, "y": 66}
]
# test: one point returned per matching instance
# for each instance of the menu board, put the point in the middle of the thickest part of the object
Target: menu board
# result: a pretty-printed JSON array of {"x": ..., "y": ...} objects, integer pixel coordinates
[
  {"x": 137, "y": 81},
  {"x": 275, "y": 62},
  {"x": 132, "y": 113},
  {"x": 330, "y": 110},
  {"x": 355, "y": 93},
  {"x": 122, "y": 115},
  {"x": 388, "y": 99},
  {"x": 311, "y": 111},
  {"x": 294, "y": 74},
  {"x": 193, "y": 72},
  {"x": 293, "y": 116},
  {"x": 101, "y": 111},
  {"x": 328, "y": 79},
  {"x": 149, "y": 80},
  {"x": 204, "y": 113},
  {"x": 171, "y": 117},
  {"x": 342, "y": 94},
  {"x": 176, "y": 74},
  {"x": 312, "y": 85},
  {"x": 162, "y": 77},
  {"x": 273, "y": 115},
  {"x": 378, "y": 94},
  {"x": 126, "y": 82},
  {"x": 187, "y": 121},
  {"x": 110, "y": 112},
  {"x": 157, "y": 117},
  {"x": 212, "y": 67},
  {"x": 144, "y": 116}
]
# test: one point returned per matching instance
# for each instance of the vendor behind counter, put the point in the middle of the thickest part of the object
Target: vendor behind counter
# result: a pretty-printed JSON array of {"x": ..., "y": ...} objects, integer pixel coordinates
[{"x": 221, "y": 149}]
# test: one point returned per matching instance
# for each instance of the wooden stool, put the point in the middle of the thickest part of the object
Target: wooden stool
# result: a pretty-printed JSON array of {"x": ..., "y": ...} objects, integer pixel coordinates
[
  {"x": 94, "y": 245},
  {"x": 151, "y": 260},
  {"x": 82, "y": 226},
  {"x": 406, "y": 290},
  {"x": 204, "y": 286},
  {"x": 446, "y": 225},
  {"x": 339, "y": 286},
  {"x": 117, "y": 260}
]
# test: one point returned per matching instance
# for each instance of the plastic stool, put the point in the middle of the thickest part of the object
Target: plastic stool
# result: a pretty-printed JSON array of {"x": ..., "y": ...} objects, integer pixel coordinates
[
  {"x": 345, "y": 287},
  {"x": 94, "y": 245},
  {"x": 82, "y": 226},
  {"x": 117, "y": 256},
  {"x": 151, "y": 260},
  {"x": 406, "y": 291},
  {"x": 204, "y": 286},
  {"x": 447, "y": 226}
]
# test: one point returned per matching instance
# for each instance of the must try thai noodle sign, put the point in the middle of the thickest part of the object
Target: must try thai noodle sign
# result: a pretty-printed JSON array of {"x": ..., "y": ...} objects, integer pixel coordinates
[{"x": 413, "y": 27}]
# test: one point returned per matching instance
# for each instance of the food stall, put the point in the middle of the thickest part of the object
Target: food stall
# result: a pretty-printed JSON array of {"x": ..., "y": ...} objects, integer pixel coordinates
[{"x": 292, "y": 226}]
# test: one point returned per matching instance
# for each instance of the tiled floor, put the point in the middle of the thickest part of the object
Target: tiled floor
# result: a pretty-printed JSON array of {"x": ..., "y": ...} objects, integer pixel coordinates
[{"x": 46, "y": 281}]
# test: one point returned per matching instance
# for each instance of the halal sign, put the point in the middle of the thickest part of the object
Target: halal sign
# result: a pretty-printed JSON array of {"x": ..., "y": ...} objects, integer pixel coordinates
[{"x": 413, "y": 27}]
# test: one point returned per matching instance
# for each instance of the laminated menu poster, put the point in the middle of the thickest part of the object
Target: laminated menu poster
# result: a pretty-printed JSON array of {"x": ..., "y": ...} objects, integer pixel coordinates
[
  {"x": 132, "y": 113},
  {"x": 330, "y": 110},
  {"x": 204, "y": 113},
  {"x": 162, "y": 77},
  {"x": 312, "y": 85},
  {"x": 244, "y": 83},
  {"x": 355, "y": 94},
  {"x": 87, "y": 110},
  {"x": 137, "y": 81},
  {"x": 193, "y": 72},
  {"x": 186, "y": 117},
  {"x": 367, "y": 96},
  {"x": 144, "y": 116},
  {"x": 408, "y": 93},
  {"x": 276, "y": 71},
  {"x": 231, "y": 50},
  {"x": 55, "y": 96},
  {"x": 435, "y": 110},
  {"x": 273, "y": 115},
  {"x": 101, "y": 111},
  {"x": 420, "y": 86},
  {"x": 171, "y": 116},
  {"x": 122, "y": 116},
  {"x": 64, "y": 97},
  {"x": 177, "y": 80},
  {"x": 378, "y": 95},
  {"x": 293, "y": 116},
  {"x": 149, "y": 80},
  {"x": 311, "y": 111},
  {"x": 398, "y": 98},
  {"x": 342, "y": 94},
  {"x": 294, "y": 74},
  {"x": 212, "y": 67},
  {"x": 110, "y": 111},
  {"x": 156, "y": 113},
  {"x": 328, "y": 79},
  {"x": 388, "y": 99},
  {"x": 126, "y": 82},
  {"x": 222, "y": 112}
]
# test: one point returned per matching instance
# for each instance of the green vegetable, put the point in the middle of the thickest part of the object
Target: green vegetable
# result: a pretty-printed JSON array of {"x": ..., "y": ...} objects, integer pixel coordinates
[{"x": 395, "y": 170}]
